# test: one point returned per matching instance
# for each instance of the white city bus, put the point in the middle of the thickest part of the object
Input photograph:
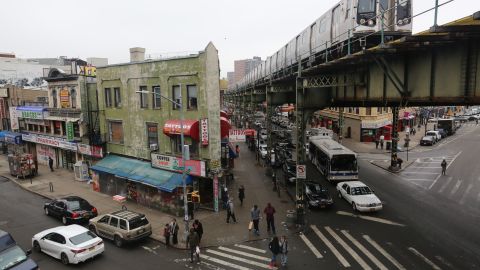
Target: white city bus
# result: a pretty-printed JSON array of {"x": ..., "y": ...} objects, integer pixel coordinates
[{"x": 333, "y": 160}]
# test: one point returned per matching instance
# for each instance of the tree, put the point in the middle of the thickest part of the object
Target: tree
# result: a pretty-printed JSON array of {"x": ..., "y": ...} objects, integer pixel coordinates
[
  {"x": 22, "y": 82},
  {"x": 37, "y": 82}
]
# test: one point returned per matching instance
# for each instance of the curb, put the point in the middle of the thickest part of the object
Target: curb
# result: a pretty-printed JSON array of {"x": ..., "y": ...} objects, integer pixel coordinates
[{"x": 403, "y": 168}]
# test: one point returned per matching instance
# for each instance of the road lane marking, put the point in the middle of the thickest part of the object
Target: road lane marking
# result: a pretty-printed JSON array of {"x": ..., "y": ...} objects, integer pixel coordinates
[
  {"x": 464, "y": 197},
  {"x": 419, "y": 172},
  {"x": 425, "y": 259},
  {"x": 449, "y": 179},
  {"x": 383, "y": 252},
  {"x": 244, "y": 254},
  {"x": 335, "y": 252},
  {"x": 364, "y": 250},
  {"x": 226, "y": 255},
  {"x": 222, "y": 262},
  {"x": 376, "y": 219},
  {"x": 352, "y": 253},
  {"x": 419, "y": 179},
  {"x": 251, "y": 248},
  {"x": 456, "y": 187},
  {"x": 311, "y": 246}
]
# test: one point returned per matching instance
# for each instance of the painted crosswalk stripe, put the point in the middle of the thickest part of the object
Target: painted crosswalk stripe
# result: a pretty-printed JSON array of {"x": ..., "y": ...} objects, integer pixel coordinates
[
  {"x": 311, "y": 246},
  {"x": 464, "y": 196},
  {"x": 456, "y": 187},
  {"x": 251, "y": 248},
  {"x": 376, "y": 219},
  {"x": 449, "y": 179},
  {"x": 425, "y": 259},
  {"x": 247, "y": 261},
  {"x": 354, "y": 254},
  {"x": 383, "y": 252},
  {"x": 244, "y": 254},
  {"x": 335, "y": 252},
  {"x": 364, "y": 250},
  {"x": 222, "y": 262}
]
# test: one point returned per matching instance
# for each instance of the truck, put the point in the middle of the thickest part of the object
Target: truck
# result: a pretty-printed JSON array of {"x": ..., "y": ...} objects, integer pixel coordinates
[{"x": 448, "y": 125}]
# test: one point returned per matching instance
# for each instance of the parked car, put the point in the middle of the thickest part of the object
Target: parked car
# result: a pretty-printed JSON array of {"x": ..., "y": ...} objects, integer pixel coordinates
[
  {"x": 317, "y": 196},
  {"x": 12, "y": 256},
  {"x": 435, "y": 134},
  {"x": 121, "y": 226},
  {"x": 442, "y": 132},
  {"x": 71, "y": 209},
  {"x": 461, "y": 118},
  {"x": 263, "y": 150},
  {"x": 71, "y": 244},
  {"x": 427, "y": 140},
  {"x": 359, "y": 195},
  {"x": 263, "y": 134},
  {"x": 290, "y": 170}
]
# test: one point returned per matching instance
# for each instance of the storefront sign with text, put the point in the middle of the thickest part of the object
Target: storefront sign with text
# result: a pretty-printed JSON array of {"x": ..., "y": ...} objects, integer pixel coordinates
[
  {"x": 193, "y": 167},
  {"x": 55, "y": 142},
  {"x": 91, "y": 150},
  {"x": 204, "y": 131}
]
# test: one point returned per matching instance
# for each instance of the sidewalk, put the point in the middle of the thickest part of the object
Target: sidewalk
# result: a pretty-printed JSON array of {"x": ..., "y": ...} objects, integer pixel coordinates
[{"x": 216, "y": 232}]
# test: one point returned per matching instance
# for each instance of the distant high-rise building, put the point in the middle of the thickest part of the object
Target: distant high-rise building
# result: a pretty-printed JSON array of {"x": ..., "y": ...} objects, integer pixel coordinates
[
  {"x": 243, "y": 67},
  {"x": 231, "y": 79}
]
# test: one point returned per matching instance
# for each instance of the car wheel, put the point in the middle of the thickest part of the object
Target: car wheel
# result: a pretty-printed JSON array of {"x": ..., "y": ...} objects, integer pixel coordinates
[
  {"x": 46, "y": 211},
  {"x": 64, "y": 220},
  {"x": 92, "y": 229},
  {"x": 354, "y": 206},
  {"x": 64, "y": 258},
  {"x": 118, "y": 241},
  {"x": 36, "y": 246}
]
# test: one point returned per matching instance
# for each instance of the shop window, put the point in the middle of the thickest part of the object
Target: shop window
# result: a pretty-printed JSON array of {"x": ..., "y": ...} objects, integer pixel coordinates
[
  {"x": 177, "y": 95},
  {"x": 157, "y": 98},
  {"x": 108, "y": 97},
  {"x": 379, "y": 110},
  {"x": 143, "y": 97},
  {"x": 176, "y": 144},
  {"x": 115, "y": 131},
  {"x": 73, "y": 96},
  {"x": 76, "y": 130},
  {"x": 368, "y": 111},
  {"x": 152, "y": 134},
  {"x": 117, "y": 97},
  {"x": 48, "y": 128},
  {"x": 193, "y": 147},
  {"x": 350, "y": 109},
  {"x": 54, "y": 98},
  {"x": 357, "y": 110},
  {"x": 57, "y": 127},
  {"x": 192, "y": 97}
]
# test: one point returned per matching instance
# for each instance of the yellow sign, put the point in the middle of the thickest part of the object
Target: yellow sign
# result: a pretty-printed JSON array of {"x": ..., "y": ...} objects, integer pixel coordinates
[
  {"x": 65, "y": 98},
  {"x": 88, "y": 71}
]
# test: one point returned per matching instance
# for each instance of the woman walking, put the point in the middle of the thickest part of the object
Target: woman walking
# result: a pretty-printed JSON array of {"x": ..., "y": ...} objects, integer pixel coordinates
[{"x": 274, "y": 247}]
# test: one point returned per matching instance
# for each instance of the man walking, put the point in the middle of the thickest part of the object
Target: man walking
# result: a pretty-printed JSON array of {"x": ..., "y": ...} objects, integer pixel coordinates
[
  {"x": 166, "y": 234},
  {"x": 241, "y": 194},
  {"x": 174, "y": 231},
  {"x": 382, "y": 139},
  {"x": 376, "y": 142},
  {"x": 255, "y": 215},
  {"x": 230, "y": 211},
  {"x": 50, "y": 163},
  {"x": 269, "y": 211},
  {"x": 444, "y": 166},
  {"x": 192, "y": 242},
  {"x": 198, "y": 227}
]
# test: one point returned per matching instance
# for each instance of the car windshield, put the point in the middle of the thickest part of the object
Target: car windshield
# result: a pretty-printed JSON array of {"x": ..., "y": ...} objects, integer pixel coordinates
[
  {"x": 138, "y": 222},
  {"x": 78, "y": 205},
  {"x": 361, "y": 190},
  {"x": 6, "y": 241},
  {"x": 82, "y": 238},
  {"x": 431, "y": 134},
  {"x": 11, "y": 257}
]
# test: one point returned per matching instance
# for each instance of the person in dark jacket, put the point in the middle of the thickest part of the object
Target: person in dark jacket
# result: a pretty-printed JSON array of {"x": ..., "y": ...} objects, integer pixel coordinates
[
  {"x": 192, "y": 243},
  {"x": 174, "y": 231},
  {"x": 198, "y": 227},
  {"x": 274, "y": 247},
  {"x": 444, "y": 167},
  {"x": 50, "y": 163},
  {"x": 269, "y": 212},
  {"x": 241, "y": 194},
  {"x": 166, "y": 234},
  {"x": 255, "y": 216}
]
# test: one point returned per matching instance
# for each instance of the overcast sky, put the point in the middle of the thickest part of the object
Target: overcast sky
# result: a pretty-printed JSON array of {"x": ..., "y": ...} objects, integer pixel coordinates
[{"x": 108, "y": 28}]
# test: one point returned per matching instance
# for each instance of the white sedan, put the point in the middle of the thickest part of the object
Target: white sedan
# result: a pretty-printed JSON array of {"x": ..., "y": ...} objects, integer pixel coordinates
[
  {"x": 359, "y": 195},
  {"x": 70, "y": 244}
]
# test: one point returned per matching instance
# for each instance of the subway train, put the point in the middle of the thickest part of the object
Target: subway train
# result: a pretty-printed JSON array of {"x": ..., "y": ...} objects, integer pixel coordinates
[{"x": 328, "y": 35}]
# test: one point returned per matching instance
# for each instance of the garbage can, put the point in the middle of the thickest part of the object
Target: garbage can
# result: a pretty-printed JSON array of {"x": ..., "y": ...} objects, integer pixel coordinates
[{"x": 291, "y": 218}]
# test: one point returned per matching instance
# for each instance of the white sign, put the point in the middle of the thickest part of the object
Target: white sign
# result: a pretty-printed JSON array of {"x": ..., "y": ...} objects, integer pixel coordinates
[
  {"x": 301, "y": 171},
  {"x": 14, "y": 118},
  {"x": 204, "y": 131},
  {"x": 236, "y": 135},
  {"x": 376, "y": 124},
  {"x": 4, "y": 92},
  {"x": 193, "y": 167},
  {"x": 52, "y": 141}
]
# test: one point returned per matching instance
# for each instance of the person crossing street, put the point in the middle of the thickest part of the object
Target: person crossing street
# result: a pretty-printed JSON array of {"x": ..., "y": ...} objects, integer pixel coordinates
[
  {"x": 269, "y": 212},
  {"x": 444, "y": 167},
  {"x": 255, "y": 215}
]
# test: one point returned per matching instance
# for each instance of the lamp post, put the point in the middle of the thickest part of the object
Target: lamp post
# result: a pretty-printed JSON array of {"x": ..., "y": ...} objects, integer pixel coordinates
[{"x": 182, "y": 142}]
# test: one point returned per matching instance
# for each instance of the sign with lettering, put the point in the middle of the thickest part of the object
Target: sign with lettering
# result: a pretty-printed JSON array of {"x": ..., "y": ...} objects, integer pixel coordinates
[
  {"x": 236, "y": 135},
  {"x": 31, "y": 115},
  {"x": 193, "y": 167},
  {"x": 52, "y": 141},
  {"x": 204, "y": 131},
  {"x": 70, "y": 134},
  {"x": 88, "y": 71},
  {"x": 91, "y": 150},
  {"x": 65, "y": 98},
  {"x": 14, "y": 118}
]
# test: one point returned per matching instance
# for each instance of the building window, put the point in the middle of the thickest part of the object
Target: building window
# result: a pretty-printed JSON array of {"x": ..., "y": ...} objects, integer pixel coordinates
[
  {"x": 48, "y": 128},
  {"x": 54, "y": 98},
  {"x": 152, "y": 134},
  {"x": 115, "y": 131},
  {"x": 143, "y": 97},
  {"x": 64, "y": 128},
  {"x": 192, "y": 97},
  {"x": 108, "y": 97},
  {"x": 76, "y": 130},
  {"x": 176, "y": 144},
  {"x": 176, "y": 94},
  {"x": 379, "y": 110},
  {"x": 350, "y": 109},
  {"x": 57, "y": 127},
  {"x": 157, "y": 98},
  {"x": 73, "y": 96},
  {"x": 193, "y": 147},
  {"x": 357, "y": 110},
  {"x": 117, "y": 97},
  {"x": 368, "y": 111}
]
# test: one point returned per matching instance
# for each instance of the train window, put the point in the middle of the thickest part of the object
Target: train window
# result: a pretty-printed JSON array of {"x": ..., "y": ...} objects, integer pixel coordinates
[
  {"x": 403, "y": 9},
  {"x": 383, "y": 5},
  {"x": 323, "y": 26},
  {"x": 366, "y": 6}
]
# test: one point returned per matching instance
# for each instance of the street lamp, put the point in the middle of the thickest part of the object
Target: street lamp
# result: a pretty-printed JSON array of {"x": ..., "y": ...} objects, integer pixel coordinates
[{"x": 182, "y": 142}]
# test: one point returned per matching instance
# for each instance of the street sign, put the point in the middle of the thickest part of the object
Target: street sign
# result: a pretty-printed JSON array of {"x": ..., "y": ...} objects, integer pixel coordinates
[{"x": 301, "y": 171}]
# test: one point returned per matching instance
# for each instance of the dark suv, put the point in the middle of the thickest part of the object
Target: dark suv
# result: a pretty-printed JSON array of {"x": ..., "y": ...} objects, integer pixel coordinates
[{"x": 12, "y": 256}]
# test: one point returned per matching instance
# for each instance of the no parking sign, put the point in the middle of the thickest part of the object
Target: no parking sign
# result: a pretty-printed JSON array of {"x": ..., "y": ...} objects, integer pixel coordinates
[{"x": 301, "y": 171}]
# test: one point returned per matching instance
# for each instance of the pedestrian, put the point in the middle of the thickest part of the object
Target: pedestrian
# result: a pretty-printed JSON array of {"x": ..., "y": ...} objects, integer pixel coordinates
[
  {"x": 283, "y": 250},
  {"x": 376, "y": 142},
  {"x": 35, "y": 164},
  {"x": 174, "y": 231},
  {"x": 414, "y": 131},
  {"x": 274, "y": 181},
  {"x": 399, "y": 162},
  {"x": 241, "y": 194},
  {"x": 444, "y": 167},
  {"x": 255, "y": 215},
  {"x": 274, "y": 247},
  {"x": 231, "y": 212},
  {"x": 225, "y": 198},
  {"x": 237, "y": 150},
  {"x": 166, "y": 234},
  {"x": 192, "y": 243},
  {"x": 382, "y": 139},
  {"x": 269, "y": 212},
  {"x": 50, "y": 163},
  {"x": 198, "y": 227}
]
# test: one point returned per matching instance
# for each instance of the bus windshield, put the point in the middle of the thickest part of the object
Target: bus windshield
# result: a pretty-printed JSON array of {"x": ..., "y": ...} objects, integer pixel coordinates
[
  {"x": 366, "y": 6},
  {"x": 403, "y": 9},
  {"x": 343, "y": 163}
]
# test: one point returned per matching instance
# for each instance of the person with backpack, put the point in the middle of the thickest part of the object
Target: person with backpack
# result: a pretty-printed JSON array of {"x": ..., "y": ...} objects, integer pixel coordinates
[
  {"x": 241, "y": 194},
  {"x": 283, "y": 250},
  {"x": 274, "y": 247},
  {"x": 192, "y": 243}
]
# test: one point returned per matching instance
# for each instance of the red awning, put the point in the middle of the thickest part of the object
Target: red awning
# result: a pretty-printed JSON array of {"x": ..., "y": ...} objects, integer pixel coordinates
[
  {"x": 190, "y": 128},
  {"x": 224, "y": 127},
  {"x": 223, "y": 114}
]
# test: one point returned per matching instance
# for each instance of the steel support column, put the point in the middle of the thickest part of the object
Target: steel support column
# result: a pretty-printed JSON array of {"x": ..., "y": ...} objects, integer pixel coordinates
[
  {"x": 340, "y": 125},
  {"x": 270, "y": 108},
  {"x": 393, "y": 161},
  {"x": 300, "y": 151}
]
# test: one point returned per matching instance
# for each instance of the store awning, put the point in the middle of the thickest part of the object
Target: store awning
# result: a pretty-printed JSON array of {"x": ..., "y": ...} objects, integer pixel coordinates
[
  {"x": 190, "y": 128},
  {"x": 224, "y": 127},
  {"x": 31, "y": 108},
  {"x": 12, "y": 137},
  {"x": 140, "y": 171}
]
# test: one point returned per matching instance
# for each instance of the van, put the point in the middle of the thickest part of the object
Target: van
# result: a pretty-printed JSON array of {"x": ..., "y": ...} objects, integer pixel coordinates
[{"x": 12, "y": 256}]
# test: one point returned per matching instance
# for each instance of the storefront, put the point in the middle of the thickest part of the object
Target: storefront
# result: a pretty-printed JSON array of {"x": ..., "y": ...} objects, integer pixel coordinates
[
  {"x": 371, "y": 129},
  {"x": 63, "y": 153}
]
